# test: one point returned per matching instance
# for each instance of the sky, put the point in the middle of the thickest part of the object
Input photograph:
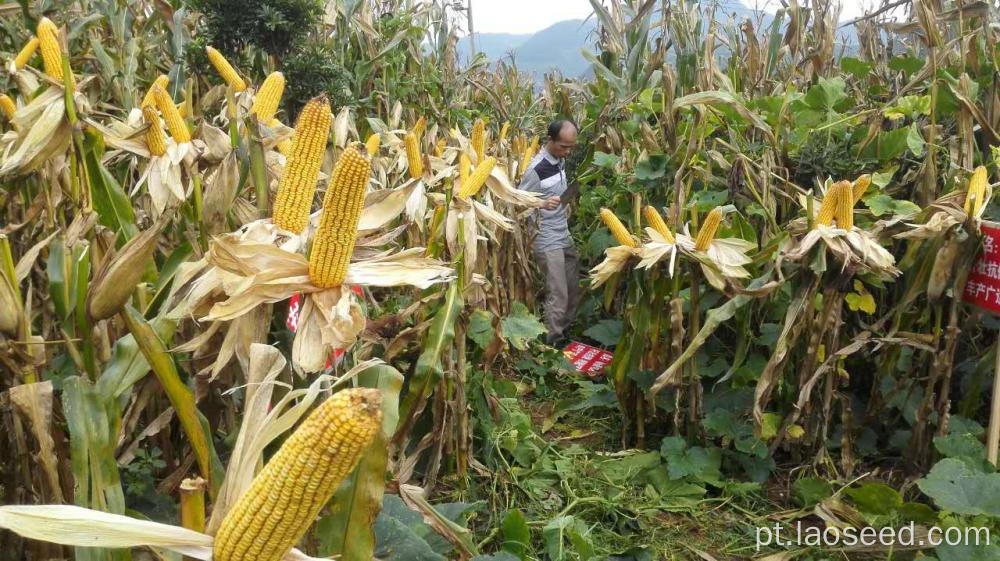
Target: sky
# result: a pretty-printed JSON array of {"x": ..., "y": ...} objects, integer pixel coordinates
[{"x": 529, "y": 16}]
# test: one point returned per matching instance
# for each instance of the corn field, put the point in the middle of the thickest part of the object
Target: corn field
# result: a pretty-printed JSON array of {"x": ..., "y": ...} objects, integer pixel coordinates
[{"x": 267, "y": 289}]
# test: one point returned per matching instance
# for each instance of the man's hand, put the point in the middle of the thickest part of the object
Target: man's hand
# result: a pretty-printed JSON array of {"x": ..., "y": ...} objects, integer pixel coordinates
[{"x": 551, "y": 203}]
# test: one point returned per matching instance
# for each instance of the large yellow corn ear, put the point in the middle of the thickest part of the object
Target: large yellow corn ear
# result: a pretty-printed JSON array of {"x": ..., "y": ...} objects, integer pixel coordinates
[
  {"x": 298, "y": 180},
  {"x": 288, "y": 494},
  {"x": 225, "y": 69},
  {"x": 861, "y": 185},
  {"x": 414, "y": 161},
  {"x": 464, "y": 168},
  {"x": 175, "y": 123},
  {"x": 418, "y": 128},
  {"x": 976, "y": 191},
  {"x": 48, "y": 40},
  {"x": 28, "y": 51},
  {"x": 8, "y": 106},
  {"x": 656, "y": 222},
  {"x": 265, "y": 103},
  {"x": 479, "y": 139},
  {"x": 372, "y": 144},
  {"x": 439, "y": 147},
  {"x": 503, "y": 131},
  {"x": 708, "y": 229},
  {"x": 828, "y": 208},
  {"x": 529, "y": 154},
  {"x": 155, "y": 140},
  {"x": 478, "y": 178},
  {"x": 338, "y": 225},
  {"x": 163, "y": 81},
  {"x": 844, "y": 215},
  {"x": 617, "y": 229}
]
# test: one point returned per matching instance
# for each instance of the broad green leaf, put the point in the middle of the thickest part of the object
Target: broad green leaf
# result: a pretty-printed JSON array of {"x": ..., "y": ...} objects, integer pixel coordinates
[
  {"x": 706, "y": 200},
  {"x": 827, "y": 93},
  {"x": 956, "y": 487},
  {"x": 968, "y": 551},
  {"x": 875, "y": 498},
  {"x": 113, "y": 206},
  {"x": 606, "y": 332},
  {"x": 651, "y": 168},
  {"x": 881, "y": 204},
  {"x": 892, "y": 144},
  {"x": 918, "y": 512},
  {"x": 811, "y": 490},
  {"x": 481, "y": 329},
  {"x": 915, "y": 140},
  {"x": 516, "y": 534},
  {"x": 770, "y": 425},
  {"x": 521, "y": 326},
  {"x": 908, "y": 64},
  {"x": 855, "y": 66},
  {"x": 603, "y": 160},
  {"x": 128, "y": 365}
]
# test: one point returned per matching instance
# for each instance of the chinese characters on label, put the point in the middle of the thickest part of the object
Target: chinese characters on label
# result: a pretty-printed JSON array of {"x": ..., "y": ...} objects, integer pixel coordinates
[
  {"x": 589, "y": 360},
  {"x": 983, "y": 286}
]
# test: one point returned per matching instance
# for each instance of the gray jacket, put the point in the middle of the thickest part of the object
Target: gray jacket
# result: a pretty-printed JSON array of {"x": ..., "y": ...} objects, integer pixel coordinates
[{"x": 547, "y": 175}]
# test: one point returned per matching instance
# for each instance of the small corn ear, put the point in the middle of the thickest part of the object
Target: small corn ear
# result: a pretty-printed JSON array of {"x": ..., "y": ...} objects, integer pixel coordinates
[
  {"x": 225, "y": 69},
  {"x": 478, "y": 178},
  {"x": 844, "y": 214},
  {"x": 175, "y": 123},
  {"x": 333, "y": 244},
  {"x": 414, "y": 161},
  {"x": 656, "y": 222},
  {"x": 529, "y": 154},
  {"x": 8, "y": 106},
  {"x": 298, "y": 180},
  {"x": 861, "y": 185},
  {"x": 439, "y": 147},
  {"x": 479, "y": 139},
  {"x": 48, "y": 41},
  {"x": 976, "y": 192},
  {"x": 504, "y": 130},
  {"x": 155, "y": 139},
  {"x": 464, "y": 168},
  {"x": 419, "y": 127},
  {"x": 265, "y": 103},
  {"x": 617, "y": 229},
  {"x": 708, "y": 229},
  {"x": 828, "y": 208},
  {"x": 372, "y": 144},
  {"x": 163, "y": 81},
  {"x": 26, "y": 53}
]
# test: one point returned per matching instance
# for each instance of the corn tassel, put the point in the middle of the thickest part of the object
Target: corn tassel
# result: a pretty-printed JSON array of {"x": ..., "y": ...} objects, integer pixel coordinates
[
  {"x": 8, "y": 106},
  {"x": 976, "y": 192},
  {"x": 708, "y": 229},
  {"x": 503, "y": 131},
  {"x": 26, "y": 53},
  {"x": 298, "y": 180},
  {"x": 48, "y": 41},
  {"x": 338, "y": 225},
  {"x": 439, "y": 147},
  {"x": 617, "y": 229},
  {"x": 372, "y": 144},
  {"x": 163, "y": 81},
  {"x": 285, "y": 498},
  {"x": 845, "y": 207},
  {"x": 175, "y": 123},
  {"x": 656, "y": 222},
  {"x": 414, "y": 161},
  {"x": 155, "y": 140},
  {"x": 861, "y": 185},
  {"x": 479, "y": 139},
  {"x": 265, "y": 103},
  {"x": 478, "y": 178},
  {"x": 225, "y": 69},
  {"x": 419, "y": 127}
]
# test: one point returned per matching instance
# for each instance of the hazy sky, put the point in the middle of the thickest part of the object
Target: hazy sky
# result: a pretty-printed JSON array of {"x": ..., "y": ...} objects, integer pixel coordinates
[{"x": 528, "y": 16}]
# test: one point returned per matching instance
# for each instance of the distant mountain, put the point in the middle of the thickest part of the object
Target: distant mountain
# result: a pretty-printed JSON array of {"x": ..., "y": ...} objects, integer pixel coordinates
[{"x": 555, "y": 47}]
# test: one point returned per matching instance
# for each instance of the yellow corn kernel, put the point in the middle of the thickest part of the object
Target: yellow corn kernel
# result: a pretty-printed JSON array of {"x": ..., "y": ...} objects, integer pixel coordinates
[
  {"x": 656, "y": 222},
  {"x": 338, "y": 225},
  {"x": 298, "y": 180},
  {"x": 155, "y": 139},
  {"x": 265, "y": 103},
  {"x": 418, "y": 128},
  {"x": 479, "y": 139},
  {"x": 464, "y": 168},
  {"x": 529, "y": 154},
  {"x": 372, "y": 144},
  {"x": 439, "y": 147},
  {"x": 708, "y": 229},
  {"x": 861, "y": 185},
  {"x": 26, "y": 53},
  {"x": 845, "y": 210},
  {"x": 414, "y": 161},
  {"x": 478, "y": 178},
  {"x": 175, "y": 123},
  {"x": 48, "y": 41},
  {"x": 8, "y": 106},
  {"x": 285, "y": 498},
  {"x": 225, "y": 69},
  {"x": 503, "y": 131},
  {"x": 617, "y": 229},
  {"x": 163, "y": 81},
  {"x": 976, "y": 192},
  {"x": 284, "y": 146},
  {"x": 828, "y": 208}
]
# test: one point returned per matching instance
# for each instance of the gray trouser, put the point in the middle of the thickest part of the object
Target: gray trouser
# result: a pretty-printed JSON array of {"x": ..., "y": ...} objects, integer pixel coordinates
[{"x": 559, "y": 266}]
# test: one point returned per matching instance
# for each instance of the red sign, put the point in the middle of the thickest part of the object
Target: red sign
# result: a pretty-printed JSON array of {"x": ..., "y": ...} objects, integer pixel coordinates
[
  {"x": 983, "y": 287},
  {"x": 295, "y": 306},
  {"x": 587, "y": 359}
]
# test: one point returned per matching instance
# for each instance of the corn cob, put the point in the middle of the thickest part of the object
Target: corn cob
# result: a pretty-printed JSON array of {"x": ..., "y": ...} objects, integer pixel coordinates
[
  {"x": 418, "y": 128},
  {"x": 529, "y": 154},
  {"x": 175, "y": 123},
  {"x": 28, "y": 51},
  {"x": 845, "y": 207},
  {"x": 8, "y": 106},
  {"x": 617, "y": 229},
  {"x": 656, "y": 222},
  {"x": 828, "y": 208},
  {"x": 413, "y": 160},
  {"x": 284, "y": 146},
  {"x": 288, "y": 494},
  {"x": 225, "y": 69},
  {"x": 976, "y": 192},
  {"x": 338, "y": 225},
  {"x": 155, "y": 140},
  {"x": 503, "y": 131},
  {"x": 163, "y": 81},
  {"x": 479, "y": 139},
  {"x": 478, "y": 178},
  {"x": 48, "y": 40},
  {"x": 861, "y": 185},
  {"x": 439, "y": 147},
  {"x": 298, "y": 181},
  {"x": 708, "y": 229},
  {"x": 464, "y": 167},
  {"x": 265, "y": 103},
  {"x": 372, "y": 144}
]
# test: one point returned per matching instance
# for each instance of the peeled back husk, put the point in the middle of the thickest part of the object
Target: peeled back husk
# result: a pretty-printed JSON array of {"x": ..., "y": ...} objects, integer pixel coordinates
[
  {"x": 9, "y": 306},
  {"x": 121, "y": 271}
]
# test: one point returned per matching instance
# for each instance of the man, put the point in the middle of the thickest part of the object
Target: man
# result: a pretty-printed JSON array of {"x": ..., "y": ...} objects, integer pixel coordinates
[{"x": 553, "y": 247}]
